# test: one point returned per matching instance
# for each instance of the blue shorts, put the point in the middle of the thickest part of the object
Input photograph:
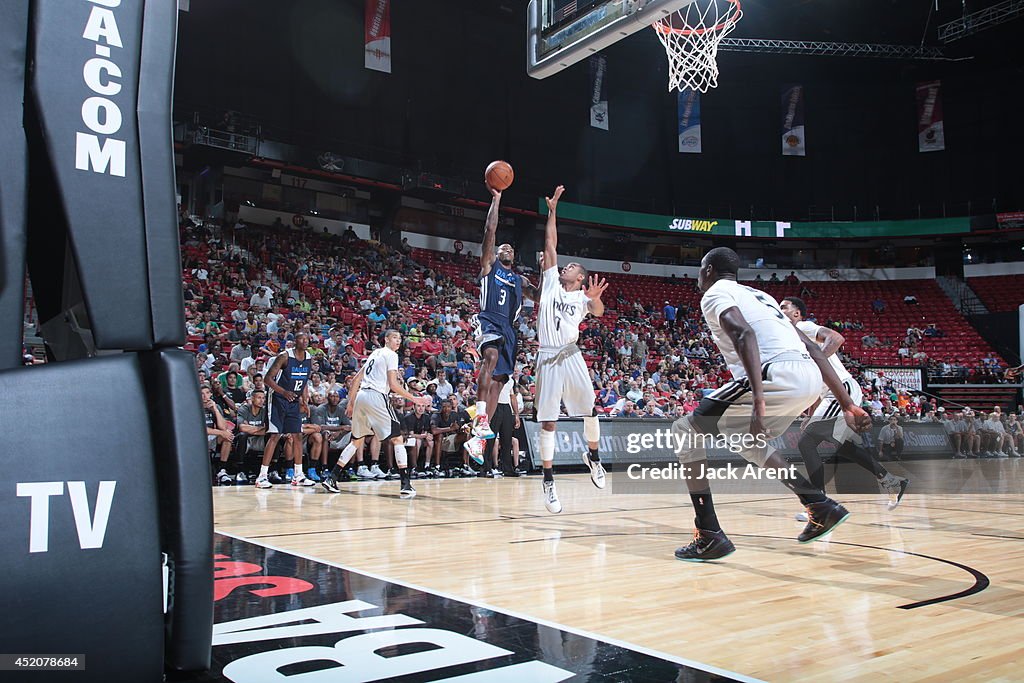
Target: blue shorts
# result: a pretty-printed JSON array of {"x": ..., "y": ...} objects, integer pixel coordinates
[
  {"x": 503, "y": 338},
  {"x": 283, "y": 416}
]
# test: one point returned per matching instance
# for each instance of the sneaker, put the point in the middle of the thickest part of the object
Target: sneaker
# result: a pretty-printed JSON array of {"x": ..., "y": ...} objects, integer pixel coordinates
[
  {"x": 364, "y": 473},
  {"x": 348, "y": 475},
  {"x": 301, "y": 480},
  {"x": 312, "y": 474},
  {"x": 512, "y": 473},
  {"x": 391, "y": 475},
  {"x": 801, "y": 517},
  {"x": 468, "y": 471},
  {"x": 596, "y": 471},
  {"x": 329, "y": 484},
  {"x": 263, "y": 483},
  {"x": 241, "y": 478},
  {"x": 706, "y": 545},
  {"x": 225, "y": 479},
  {"x": 376, "y": 472},
  {"x": 895, "y": 487},
  {"x": 551, "y": 501},
  {"x": 407, "y": 492},
  {"x": 275, "y": 478},
  {"x": 823, "y": 517},
  {"x": 482, "y": 428},
  {"x": 497, "y": 473},
  {"x": 959, "y": 456},
  {"x": 289, "y": 473},
  {"x": 475, "y": 448}
]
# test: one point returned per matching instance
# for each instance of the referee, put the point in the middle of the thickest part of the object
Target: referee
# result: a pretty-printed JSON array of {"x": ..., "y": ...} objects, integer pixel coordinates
[{"x": 504, "y": 423}]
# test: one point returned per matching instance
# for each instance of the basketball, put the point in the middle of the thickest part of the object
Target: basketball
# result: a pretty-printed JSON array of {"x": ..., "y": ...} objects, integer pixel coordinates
[{"x": 499, "y": 175}]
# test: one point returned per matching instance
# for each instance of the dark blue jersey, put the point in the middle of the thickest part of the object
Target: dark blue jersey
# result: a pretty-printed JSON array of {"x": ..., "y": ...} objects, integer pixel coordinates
[
  {"x": 295, "y": 374},
  {"x": 501, "y": 296}
]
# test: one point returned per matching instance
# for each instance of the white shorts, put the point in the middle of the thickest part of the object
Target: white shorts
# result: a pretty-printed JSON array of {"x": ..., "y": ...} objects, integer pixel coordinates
[
  {"x": 829, "y": 409},
  {"x": 372, "y": 414},
  {"x": 790, "y": 387},
  {"x": 562, "y": 377}
]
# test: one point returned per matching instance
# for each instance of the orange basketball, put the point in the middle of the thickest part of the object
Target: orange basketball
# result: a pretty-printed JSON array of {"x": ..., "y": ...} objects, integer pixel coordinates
[{"x": 499, "y": 175}]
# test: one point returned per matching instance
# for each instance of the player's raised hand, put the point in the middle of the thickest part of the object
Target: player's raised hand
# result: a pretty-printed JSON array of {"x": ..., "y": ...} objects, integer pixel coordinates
[
  {"x": 858, "y": 420},
  {"x": 595, "y": 287},
  {"x": 553, "y": 200},
  {"x": 494, "y": 193}
]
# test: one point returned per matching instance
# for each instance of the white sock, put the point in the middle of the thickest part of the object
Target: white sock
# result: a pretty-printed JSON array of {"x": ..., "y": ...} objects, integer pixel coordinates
[
  {"x": 264, "y": 469},
  {"x": 346, "y": 455},
  {"x": 481, "y": 410},
  {"x": 547, "y": 445},
  {"x": 401, "y": 457}
]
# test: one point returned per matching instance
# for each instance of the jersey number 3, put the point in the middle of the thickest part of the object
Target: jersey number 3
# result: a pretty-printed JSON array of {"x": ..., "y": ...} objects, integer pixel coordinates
[{"x": 502, "y": 295}]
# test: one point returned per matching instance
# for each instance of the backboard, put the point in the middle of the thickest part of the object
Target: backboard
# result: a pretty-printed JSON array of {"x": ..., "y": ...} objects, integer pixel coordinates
[{"x": 562, "y": 32}]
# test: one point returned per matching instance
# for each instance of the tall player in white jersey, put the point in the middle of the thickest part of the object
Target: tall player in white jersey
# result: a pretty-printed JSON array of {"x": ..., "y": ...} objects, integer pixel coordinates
[
  {"x": 824, "y": 424},
  {"x": 369, "y": 408},
  {"x": 777, "y": 375},
  {"x": 562, "y": 377}
]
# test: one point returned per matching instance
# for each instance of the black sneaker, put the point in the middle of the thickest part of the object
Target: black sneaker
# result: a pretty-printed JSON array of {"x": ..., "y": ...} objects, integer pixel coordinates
[
  {"x": 706, "y": 545},
  {"x": 407, "y": 491},
  {"x": 329, "y": 484},
  {"x": 822, "y": 517},
  {"x": 274, "y": 477}
]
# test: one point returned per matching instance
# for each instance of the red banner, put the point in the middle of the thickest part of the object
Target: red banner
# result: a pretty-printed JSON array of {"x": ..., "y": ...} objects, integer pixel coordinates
[
  {"x": 931, "y": 136},
  {"x": 378, "y": 35}
]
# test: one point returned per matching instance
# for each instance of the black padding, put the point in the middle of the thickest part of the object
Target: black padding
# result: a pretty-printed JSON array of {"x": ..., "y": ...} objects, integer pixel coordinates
[
  {"x": 159, "y": 33},
  {"x": 13, "y": 174},
  {"x": 81, "y": 421},
  {"x": 186, "y": 507},
  {"x": 88, "y": 170}
]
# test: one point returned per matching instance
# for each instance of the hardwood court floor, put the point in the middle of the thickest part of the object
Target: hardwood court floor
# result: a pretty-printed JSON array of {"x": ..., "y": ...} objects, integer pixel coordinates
[{"x": 858, "y": 606}]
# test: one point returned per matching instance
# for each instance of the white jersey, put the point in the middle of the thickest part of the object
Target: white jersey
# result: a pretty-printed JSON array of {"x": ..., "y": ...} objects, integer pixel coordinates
[
  {"x": 505, "y": 395},
  {"x": 559, "y": 313},
  {"x": 774, "y": 332},
  {"x": 375, "y": 371},
  {"x": 811, "y": 330}
]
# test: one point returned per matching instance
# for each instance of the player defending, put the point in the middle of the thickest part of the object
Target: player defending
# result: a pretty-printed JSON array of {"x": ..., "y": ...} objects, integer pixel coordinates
[
  {"x": 288, "y": 379},
  {"x": 369, "y": 408},
  {"x": 562, "y": 376},
  {"x": 824, "y": 424},
  {"x": 777, "y": 375},
  {"x": 501, "y": 301}
]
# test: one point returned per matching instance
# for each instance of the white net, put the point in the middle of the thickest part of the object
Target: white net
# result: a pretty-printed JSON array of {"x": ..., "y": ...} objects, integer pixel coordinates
[{"x": 691, "y": 37}]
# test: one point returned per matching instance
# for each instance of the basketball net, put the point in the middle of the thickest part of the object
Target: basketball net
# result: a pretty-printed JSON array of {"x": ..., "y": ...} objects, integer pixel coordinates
[{"x": 691, "y": 37}]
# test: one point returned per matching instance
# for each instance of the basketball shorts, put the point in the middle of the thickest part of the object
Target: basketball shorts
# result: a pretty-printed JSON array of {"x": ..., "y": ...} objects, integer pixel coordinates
[
  {"x": 501, "y": 337},
  {"x": 562, "y": 377},
  {"x": 372, "y": 415},
  {"x": 791, "y": 385},
  {"x": 829, "y": 409},
  {"x": 283, "y": 416}
]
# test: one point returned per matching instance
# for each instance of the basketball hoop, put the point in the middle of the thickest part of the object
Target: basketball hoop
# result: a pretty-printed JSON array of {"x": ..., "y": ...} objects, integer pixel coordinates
[{"x": 691, "y": 37}]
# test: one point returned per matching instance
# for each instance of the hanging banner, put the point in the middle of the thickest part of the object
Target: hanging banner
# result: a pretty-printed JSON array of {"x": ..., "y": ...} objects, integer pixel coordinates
[
  {"x": 598, "y": 92},
  {"x": 689, "y": 122},
  {"x": 378, "y": 35},
  {"x": 794, "y": 144},
  {"x": 930, "y": 134}
]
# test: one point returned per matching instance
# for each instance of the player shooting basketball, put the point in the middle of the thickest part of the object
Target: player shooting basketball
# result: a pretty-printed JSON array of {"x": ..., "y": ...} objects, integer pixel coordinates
[{"x": 501, "y": 301}]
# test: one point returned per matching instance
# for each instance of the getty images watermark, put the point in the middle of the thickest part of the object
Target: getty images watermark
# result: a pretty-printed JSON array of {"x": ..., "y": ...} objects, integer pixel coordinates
[{"x": 673, "y": 442}]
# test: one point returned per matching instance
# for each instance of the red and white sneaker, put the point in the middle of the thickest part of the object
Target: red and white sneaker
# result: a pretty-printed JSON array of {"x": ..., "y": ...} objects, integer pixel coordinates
[{"x": 482, "y": 428}]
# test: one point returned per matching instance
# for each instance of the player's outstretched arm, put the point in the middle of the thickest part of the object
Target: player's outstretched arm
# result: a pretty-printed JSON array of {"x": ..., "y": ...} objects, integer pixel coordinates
[
  {"x": 530, "y": 290},
  {"x": 487, "y": 255},
  {"x": 831, "y": 340},
  {"x": 744, "y": 341},
  {"x": 853, "y": 414},
  {"x": 397, "y": 388},
  {"x": 551, "y": 229},
  {"x": 595, "y": 288}
]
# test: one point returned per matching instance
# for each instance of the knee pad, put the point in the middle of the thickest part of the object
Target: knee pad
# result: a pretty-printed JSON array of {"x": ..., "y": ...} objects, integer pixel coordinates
[{"x": 591, "y": 429}]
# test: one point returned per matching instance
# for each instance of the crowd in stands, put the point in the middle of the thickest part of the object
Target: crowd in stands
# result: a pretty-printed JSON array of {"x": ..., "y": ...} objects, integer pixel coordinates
[{"x": 248, "y": 290}]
